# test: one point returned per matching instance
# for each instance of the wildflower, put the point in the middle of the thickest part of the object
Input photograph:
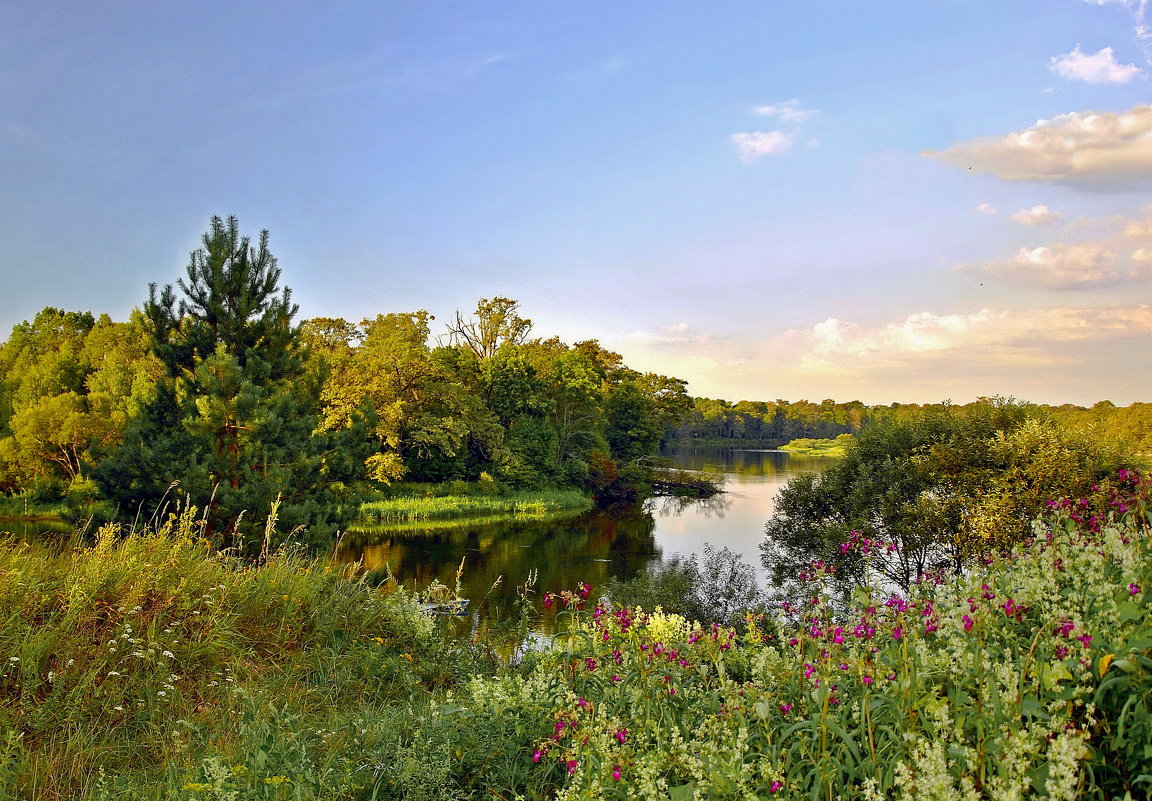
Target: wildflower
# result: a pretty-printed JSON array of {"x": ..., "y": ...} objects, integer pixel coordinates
[
  {"x": 808, "y": 670},
  {"x": 585, "y": 589},
  {"x": 616, "y": 773},
  {"x": 793, "y": 641},
  {"x": 897, "y": 632},
  {"x": 615, "y": 678},
  {"x": 582, "y": 703},
  {"x": 621, "y": 735},
  {"x": 1086, "y": 639},
  {"x": 590, "y": 664},
  {"x": 572, "y": 763},
  {"x": 536, "y": 755},
  {"x": 867, "y": 680},
  {"x": 967, "y": 623},
  {"x": 547, "y": 600},
  {"x": 838, "y": 635},
  {"x": 1133, "y": 589},
  {"x": 785, "y": 708},
  {"x": 776, "y": 786}
]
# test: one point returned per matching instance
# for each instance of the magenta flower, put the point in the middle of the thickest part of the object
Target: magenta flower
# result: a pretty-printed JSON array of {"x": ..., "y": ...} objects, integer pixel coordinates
[
  {"x": 785, "y": 708},
  {"x": 808, "y": 670},
  {"x": 547, "y": 600},
  {"x": 867, "y": 680},
  {"x": 1133, "y": 589},
  {"x": 572, "y": 763},
  {"x": 621, "y": 735},
  {"x": 536, "y": 755},
  {"x": 616, "y": 773},
  {"x": 585, "y": 589},
  {"x": 615, "y": 678},
  {"x": 775, "y": 788},
  {"x": 582, "y": 703},
  {"x": 967, "y": 623},
  {"x": 897, "y": 632},
  {"x": 838, "y": 635},
  {"x": 590, "y": 663},
  {"x": 1086, "y": 639}
]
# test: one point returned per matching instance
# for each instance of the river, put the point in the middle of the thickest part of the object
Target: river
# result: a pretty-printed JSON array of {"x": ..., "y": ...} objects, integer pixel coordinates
[{"x": 595, "y": 545}]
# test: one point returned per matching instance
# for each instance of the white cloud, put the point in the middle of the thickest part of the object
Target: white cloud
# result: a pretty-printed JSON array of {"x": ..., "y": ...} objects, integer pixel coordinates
[
  {"x": 788, "y": 111},
  {"x": 669, "y": 334},
  {"x": 986, "y": 337},
  {"x": 757, "y": 144},
  {"x": 1101, "y": 67},
  {"x": 1142, "y": 256},
  {"x": 1102, "y": 150},
  {"x": 1037, "y": 215},
  {"x": 986, "y": 208},
  {"x": 1139, "y": 229},
  {"x": 1061, "y": 266}
]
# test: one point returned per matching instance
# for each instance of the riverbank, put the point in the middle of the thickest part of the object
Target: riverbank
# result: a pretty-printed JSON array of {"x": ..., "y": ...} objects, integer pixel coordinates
[
  {"x": 821, "y": 448},
  {"x": 149, "y": 667},
  {"x": 538, "y": 504}
]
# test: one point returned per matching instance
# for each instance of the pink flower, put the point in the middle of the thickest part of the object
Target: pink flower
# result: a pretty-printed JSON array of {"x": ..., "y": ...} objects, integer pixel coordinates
[
  {"x": 967, "y": 623},
  {"x": 1086, "y": 639},
  {"x": 785, "y": 708},
  {"x": 621, "y": 735},
  {"x": 616, "y": 773},
  {"x": 808, "y": 670},
  {"x": 775, "y": 788},
  {"x": 1133, "y": 589},
  {"x": 582, "y": 704},
  {"x": 897, "y": 632},
  {"x": 867, "y": 680},
  {"x": 615, "y": 678},
  {"x": 547, "y": 600},
  {"x": 838, "y": 635},
  {"x": 536, "y": 755},
  {"x": 572, "y": 763},
  {"x": 585, "y": 590},
  {"x": 590, "y": 663}
]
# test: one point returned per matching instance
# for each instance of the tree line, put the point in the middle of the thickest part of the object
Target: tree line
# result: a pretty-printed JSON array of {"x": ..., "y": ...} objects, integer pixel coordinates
[
  {"x": 212, "y": 395},
  {"x": 775, "y": 423}
]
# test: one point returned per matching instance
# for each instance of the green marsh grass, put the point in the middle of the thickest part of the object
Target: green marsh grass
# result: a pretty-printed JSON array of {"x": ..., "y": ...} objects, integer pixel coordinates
[{"x": 413, "y": 509}]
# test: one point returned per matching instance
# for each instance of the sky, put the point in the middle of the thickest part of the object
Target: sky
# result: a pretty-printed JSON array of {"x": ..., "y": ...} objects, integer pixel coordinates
[{"x": 890, "y": 201}]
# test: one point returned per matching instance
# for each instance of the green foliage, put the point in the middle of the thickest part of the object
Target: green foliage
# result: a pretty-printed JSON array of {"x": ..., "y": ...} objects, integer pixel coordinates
[
  {"x": 720, "y": 588},
  {"x": 931, "y": 492},
  {"x": 230, "y": 425},
  {"x": 1024, "y": 678},
  {"x": 68, "y": 383}
]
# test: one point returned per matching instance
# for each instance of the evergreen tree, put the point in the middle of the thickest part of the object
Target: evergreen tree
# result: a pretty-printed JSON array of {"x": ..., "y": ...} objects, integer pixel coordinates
[{"x": 230, "y": 428}]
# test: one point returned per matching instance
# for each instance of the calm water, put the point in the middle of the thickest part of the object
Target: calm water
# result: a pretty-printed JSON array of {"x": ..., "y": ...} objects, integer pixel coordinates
[{"x": 595, "y": 545}]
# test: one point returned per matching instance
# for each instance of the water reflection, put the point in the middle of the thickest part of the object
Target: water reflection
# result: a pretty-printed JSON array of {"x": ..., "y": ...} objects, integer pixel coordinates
[
  {"x": 588, "y": 547},
  {"x": 595, "y": 545}
]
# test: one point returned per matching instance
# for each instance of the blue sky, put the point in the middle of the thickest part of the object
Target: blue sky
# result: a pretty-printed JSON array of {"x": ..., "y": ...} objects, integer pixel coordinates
[{"x": 889, "y": 201}]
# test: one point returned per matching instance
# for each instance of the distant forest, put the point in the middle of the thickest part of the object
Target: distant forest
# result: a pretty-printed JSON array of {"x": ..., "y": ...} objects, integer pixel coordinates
[{"x": 774, "y": 423}]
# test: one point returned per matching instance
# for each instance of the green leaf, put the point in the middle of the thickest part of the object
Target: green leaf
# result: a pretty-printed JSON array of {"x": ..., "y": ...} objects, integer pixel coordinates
[{"x": 682, "y": 793}]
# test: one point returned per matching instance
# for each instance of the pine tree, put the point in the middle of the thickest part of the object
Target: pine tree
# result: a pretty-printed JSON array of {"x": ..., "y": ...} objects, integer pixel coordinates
[{"x": 231, "y": 426}]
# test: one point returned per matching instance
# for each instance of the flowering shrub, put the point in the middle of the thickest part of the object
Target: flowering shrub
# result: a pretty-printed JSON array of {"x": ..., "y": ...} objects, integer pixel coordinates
[{"x": 1027, "y": 677}]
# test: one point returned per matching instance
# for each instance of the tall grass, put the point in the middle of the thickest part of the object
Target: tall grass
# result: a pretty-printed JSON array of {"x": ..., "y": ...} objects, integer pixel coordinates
[
  {"x": 521, "y": 504},
  {"x": 148, "y": 666}
]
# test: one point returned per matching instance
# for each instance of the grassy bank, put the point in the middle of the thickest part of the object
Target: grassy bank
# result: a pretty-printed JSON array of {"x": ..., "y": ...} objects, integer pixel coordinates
[
  {"x": 833, "y": 448},
  {"x": 415, "y": 508},
  {"x": 147, "y": 666}
]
